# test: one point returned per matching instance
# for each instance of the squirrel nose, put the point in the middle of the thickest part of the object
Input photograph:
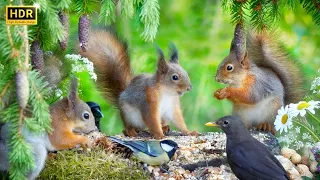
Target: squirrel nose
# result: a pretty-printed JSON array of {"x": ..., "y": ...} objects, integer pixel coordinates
[
  {"x": 217, "y": 79},
  {"x": 189, "y": 88}
]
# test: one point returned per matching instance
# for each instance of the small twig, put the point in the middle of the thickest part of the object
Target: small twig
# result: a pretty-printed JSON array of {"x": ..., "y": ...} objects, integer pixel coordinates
[
  {"x": 213, "y": 162},
  {"x": 39, "y": 97},
  {"x": 9, "y": 36},
  {"x": 20, "y": 121},
  {"x": 38, "y": 33},
  {"x": 14, "y": 52},
  {"x": 5, "y": 89},
  {"x": 26, "y": 48}
]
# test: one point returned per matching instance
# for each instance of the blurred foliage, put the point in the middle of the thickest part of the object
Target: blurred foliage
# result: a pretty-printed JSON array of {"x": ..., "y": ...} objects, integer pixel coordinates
[
  {"x": 202, "y": 32},
  {"x": 264, "y": 14}
]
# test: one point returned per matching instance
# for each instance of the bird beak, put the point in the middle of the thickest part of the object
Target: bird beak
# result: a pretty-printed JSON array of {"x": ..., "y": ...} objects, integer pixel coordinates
[{"x": 212, "y": 124}]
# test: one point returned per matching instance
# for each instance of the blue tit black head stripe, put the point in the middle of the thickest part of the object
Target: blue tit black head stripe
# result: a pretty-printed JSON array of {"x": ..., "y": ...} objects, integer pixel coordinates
[{"x": 169, "y": 143}]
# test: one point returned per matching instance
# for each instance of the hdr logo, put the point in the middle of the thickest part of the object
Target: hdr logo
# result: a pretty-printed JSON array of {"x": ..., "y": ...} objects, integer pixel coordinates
[{"x": 23, "y": 15}]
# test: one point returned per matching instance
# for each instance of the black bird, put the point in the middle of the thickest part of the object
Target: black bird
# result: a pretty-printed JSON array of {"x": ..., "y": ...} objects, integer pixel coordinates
[
  {"x": 248, "y": 158},
  {"x": 96, "y": 111}
]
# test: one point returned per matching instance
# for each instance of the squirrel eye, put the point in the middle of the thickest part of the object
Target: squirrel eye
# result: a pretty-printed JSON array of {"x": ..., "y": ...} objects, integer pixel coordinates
[
  {"x": 226, "y": 122},
  {"x": 86, "y": 115},
  {"x": 175, "y": 77},
  {"x": 229, "y": 67}
]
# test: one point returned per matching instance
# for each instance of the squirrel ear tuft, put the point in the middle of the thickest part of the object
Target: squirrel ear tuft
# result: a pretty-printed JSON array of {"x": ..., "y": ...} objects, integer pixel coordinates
[
  {"x": 162, "y": 64},
  {"x": 238, "y": 44},
  {"x": 73, "y": 94},
  {"x": 174, "y": 56}
]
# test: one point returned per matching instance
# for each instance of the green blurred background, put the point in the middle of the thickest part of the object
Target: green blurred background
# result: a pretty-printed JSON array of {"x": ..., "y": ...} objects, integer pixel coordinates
[{"x": 202, "y": 32}]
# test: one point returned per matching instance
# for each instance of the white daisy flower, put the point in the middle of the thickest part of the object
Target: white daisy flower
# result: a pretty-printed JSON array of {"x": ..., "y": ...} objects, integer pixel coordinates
[
  {"x": 283, "y": 120},
  {"x": 302, "y": 107}
]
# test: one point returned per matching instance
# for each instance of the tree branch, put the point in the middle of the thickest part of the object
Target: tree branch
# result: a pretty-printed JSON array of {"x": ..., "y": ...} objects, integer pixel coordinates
[
  {"x": 316, "y": 4},
  {"x": 26, "y": 48},
  {"x": 5, "y": 89},
  {"x": 20, "y": 121}
]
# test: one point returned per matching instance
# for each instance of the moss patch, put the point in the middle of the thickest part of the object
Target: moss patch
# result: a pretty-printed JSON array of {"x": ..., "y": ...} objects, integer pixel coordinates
[{"x": 94, "y": 164}]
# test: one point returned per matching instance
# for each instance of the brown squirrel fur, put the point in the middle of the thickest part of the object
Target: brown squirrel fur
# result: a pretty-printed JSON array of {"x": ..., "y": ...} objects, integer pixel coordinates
[
  {"x": 144, "y": 101},
  {"x": 261, "y": 76},
  {"x": 115, "y": 75},
  {"x": 67, "y": 117}
]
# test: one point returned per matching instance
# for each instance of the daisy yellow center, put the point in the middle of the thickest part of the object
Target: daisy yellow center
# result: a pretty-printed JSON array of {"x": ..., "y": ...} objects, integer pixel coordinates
[
  {"x": 303, "y": 105},
  {"x": 284, "y": 119}
]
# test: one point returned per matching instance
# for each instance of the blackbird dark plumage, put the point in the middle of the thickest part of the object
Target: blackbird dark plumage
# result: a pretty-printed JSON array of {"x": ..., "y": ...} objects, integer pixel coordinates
[
  {"x": 96, "y": 111},
  {"x": 248, "y": 158}
]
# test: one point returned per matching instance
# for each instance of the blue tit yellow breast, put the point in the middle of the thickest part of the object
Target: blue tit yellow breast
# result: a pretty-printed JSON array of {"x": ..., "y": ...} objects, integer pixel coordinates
[{"x": 163, "y": 158}]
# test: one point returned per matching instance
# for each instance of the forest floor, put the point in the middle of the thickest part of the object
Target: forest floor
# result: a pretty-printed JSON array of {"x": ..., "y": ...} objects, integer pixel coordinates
[{"x": 199, "y": 157}]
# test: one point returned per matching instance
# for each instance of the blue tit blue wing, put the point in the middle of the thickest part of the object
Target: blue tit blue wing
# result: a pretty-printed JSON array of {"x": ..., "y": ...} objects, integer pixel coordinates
[
  {"x": 122, "y": 142},
  {"x": 155, "y": 148},
  {"x": 151, "y": 148},
  {"x": 254, "y": 162}
]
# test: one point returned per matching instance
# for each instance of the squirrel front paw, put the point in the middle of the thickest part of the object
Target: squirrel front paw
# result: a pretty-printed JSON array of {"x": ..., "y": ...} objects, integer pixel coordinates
[
  {"x": 190, "y": 133},
  {"x": 86, "y": 143},
  {"x": 131, "y": 132},
  {"x": 166, "y": 129},
  {"x": 222, "y": 93},
  {"x": 159, "y": 136}
]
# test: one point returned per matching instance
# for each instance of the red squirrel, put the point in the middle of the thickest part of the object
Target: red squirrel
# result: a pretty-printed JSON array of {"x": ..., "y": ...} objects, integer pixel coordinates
[
  {"x": 147, "y": 100},
  {"x": 261, "y": 78},
  {"x": 69, "y": 117}
]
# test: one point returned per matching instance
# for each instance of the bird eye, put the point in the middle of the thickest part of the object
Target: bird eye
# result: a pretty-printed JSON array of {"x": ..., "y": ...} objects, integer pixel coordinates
[
  {"x": 86, "y": 115},
  {"x": 175, "y": 77},
  {"x": 226, "y": 122},
  {"x": 229, "y": 67}
]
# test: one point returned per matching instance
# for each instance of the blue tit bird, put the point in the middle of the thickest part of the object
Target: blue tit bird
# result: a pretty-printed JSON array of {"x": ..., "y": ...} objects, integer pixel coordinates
[
  {"x": 96, "y": 111},
  {"x": 150, "y": 152}
]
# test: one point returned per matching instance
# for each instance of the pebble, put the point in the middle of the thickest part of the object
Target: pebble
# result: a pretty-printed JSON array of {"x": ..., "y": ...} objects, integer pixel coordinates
[{"x": 193, "y": 149}]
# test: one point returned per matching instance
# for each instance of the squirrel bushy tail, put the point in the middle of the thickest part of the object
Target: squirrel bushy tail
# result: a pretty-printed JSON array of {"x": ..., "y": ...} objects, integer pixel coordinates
[
  {"x": 265, "y": 52},
  {"x": 111, "y": 62}
]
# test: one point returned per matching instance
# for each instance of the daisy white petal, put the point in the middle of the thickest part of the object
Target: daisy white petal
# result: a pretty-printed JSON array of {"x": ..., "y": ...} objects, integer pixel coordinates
[
  {"x": 283, "y": 120},
  {"x": 302, "y": 107}
]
